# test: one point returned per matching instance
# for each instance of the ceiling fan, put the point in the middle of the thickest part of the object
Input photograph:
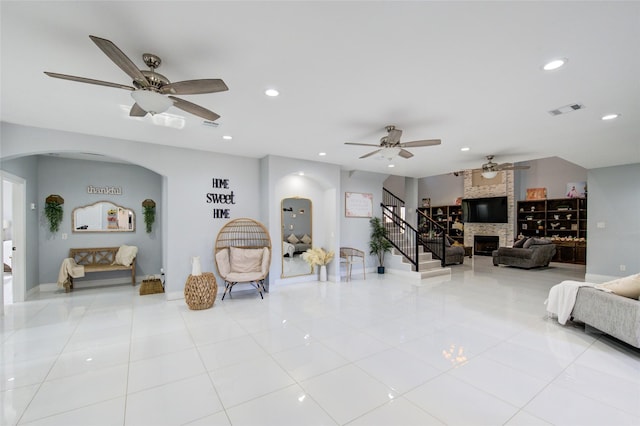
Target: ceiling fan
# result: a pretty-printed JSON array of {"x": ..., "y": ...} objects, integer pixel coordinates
[
  {"x": 490, "y": 169},
  {"x": 152, "y": 91},
  {"x": 390, "y": 145}
]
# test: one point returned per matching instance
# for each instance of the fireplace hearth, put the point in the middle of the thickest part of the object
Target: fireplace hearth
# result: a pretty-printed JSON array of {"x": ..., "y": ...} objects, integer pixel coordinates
[{"x": 484, "y": 245}]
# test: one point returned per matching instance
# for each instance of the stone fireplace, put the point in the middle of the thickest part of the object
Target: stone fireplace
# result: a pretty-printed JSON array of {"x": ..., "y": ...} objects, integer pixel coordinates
[{"x": 475, "y": 186}]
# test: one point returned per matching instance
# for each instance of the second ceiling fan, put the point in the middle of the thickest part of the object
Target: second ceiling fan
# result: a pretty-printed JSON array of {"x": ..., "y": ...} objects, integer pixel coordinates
[
  {"x": 390, "y": 145},
  {"x": 491, "y": 169}
]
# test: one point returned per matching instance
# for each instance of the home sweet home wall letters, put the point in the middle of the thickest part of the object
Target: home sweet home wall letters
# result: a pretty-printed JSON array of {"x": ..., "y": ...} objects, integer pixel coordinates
[{"x": 220, "y": 198}]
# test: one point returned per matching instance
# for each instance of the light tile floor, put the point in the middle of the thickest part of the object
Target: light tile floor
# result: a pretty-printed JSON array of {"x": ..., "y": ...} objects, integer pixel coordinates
[{"x": 475, "y": 348}]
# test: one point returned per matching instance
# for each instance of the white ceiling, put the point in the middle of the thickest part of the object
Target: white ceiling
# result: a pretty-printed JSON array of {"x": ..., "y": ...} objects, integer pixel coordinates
[{"x": 468, "y": 73}]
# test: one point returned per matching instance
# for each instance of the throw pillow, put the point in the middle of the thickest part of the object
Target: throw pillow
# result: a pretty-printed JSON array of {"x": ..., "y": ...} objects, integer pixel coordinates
[
  {"x": 125, "y": 255},
  {"x": 520, "y": 243},
  {"x": 306, "y": 239},
  {"x": 535, "y": 241},
  {"x": 447, "y": 243},
  {"x": 245, "y": 260},
  {"x": 627, "y": 286},
  {"x": 293, "y": 239}
]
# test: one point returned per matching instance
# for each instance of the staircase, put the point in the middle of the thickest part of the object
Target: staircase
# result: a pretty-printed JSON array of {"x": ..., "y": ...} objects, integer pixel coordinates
[{"x": 403, "y": 259}]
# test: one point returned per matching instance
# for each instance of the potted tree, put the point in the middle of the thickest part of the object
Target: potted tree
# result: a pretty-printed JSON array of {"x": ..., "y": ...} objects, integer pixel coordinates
[{"x": 379, "y": 244}]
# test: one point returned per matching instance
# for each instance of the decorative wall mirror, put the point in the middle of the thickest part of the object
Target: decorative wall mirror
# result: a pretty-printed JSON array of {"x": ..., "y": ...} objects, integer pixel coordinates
[
  {"x": 103, "y": 216},
  {"x": 296, "y": 236}
]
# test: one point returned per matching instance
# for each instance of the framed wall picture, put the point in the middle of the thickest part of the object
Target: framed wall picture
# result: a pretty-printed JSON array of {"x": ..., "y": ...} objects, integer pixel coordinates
[
  {"x": 358, "y": 204},
  {"x": 536, "y": 193},
  {"x": 577, "y": 189}
]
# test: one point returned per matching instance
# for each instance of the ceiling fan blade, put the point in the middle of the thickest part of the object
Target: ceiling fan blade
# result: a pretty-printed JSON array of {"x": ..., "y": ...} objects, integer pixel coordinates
[
  {"x": 371, "y": 153},
  {"x": 360, "y": 144},
  {"x": 507, "y": 166},
  {"x": 137, "y": 111},
  {"x": 88, "y": 80},
  {"x": 394, "y": 136},
  {"x": 405, "y": 154},
  {"x": 194, "y": 109},
  {"x": 427, "y": 142},
  {"x": 121, "y": 60},
  {"x": 194, "y": 87}
]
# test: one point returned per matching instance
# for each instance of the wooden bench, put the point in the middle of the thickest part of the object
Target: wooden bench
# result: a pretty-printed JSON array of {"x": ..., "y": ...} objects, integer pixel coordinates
[{"x": 98, "y": 260}]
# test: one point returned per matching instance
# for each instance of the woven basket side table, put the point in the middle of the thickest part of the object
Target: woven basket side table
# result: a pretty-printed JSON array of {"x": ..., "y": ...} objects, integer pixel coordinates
[{"x": 200, "y": 291}]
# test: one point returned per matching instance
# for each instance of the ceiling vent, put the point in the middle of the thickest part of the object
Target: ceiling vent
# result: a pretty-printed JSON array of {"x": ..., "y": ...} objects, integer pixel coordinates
[
  {"x": 565, "y": 109},
  {"x": 209, "y": 123}
]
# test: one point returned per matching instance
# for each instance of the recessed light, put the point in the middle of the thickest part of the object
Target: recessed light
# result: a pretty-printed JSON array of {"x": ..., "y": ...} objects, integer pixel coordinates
[
  {"x": 391, "y": 166},
  {"x": 271, "y": 92},
  {"x": 322, "y": 154},
  {"x": 555, "y": 64},
  {"x": 227, "y": 137},
  {"x": 610, "y": 116},
  {"x": 465, "y": 149},
  {"x": 300, "y": 173}
]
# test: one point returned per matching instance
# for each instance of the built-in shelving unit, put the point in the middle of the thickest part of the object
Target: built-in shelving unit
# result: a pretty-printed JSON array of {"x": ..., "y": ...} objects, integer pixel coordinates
[
  {"x": 564, "y": 220},
  {"x": 449, "y": 217}
]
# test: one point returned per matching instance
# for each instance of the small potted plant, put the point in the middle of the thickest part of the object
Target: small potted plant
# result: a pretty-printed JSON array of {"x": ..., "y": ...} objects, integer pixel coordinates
[
  {"x": 379, "y": 244},
  {"x": 53, "y": 211},
  {"x": 319, "y": 257}
]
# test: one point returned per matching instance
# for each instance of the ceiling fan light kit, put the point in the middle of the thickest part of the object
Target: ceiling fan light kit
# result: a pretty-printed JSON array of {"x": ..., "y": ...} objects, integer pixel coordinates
[
  {"x": 489, "y": 174},
  {"x": 390, "y": 153},
  {"x": 152, "y": 102}
]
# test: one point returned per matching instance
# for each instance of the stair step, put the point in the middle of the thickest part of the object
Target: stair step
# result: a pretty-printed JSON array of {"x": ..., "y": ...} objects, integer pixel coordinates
[{"x": 430, "y": 264}]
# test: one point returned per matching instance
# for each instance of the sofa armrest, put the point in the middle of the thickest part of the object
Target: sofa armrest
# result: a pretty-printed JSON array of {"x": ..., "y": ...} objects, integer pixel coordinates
[{"x": 542, "y": 254}]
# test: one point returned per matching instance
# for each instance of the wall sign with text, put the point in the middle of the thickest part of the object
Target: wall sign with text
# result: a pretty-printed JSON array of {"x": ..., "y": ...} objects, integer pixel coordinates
[
  {"x": 221, "y": 197},
  {"x": 358, "y": 204},
  {"x": 105, "y": 190}
]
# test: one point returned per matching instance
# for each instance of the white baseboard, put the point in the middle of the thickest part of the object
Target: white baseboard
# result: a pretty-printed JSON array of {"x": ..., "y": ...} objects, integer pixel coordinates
[{"x": 597, "y": 279}]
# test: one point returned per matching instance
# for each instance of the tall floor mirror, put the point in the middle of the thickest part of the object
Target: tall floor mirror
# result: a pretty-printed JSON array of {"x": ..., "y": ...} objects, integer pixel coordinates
[{"x": 296, "y": 236}]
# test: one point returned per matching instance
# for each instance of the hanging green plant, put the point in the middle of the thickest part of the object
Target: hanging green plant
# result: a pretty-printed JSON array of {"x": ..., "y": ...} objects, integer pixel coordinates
[
  {"x": 149, "y": 211},
  {"x": 53, "y": 211}
]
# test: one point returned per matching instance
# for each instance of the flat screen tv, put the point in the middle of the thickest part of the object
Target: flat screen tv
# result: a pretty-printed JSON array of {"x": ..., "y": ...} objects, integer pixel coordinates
[{"x": 485, "y": 210}]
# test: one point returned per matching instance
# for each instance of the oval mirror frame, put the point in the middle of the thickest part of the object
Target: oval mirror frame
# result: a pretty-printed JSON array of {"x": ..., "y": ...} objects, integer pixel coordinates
[
  {"x": 296, "y": 220},
  {"x": 103, "y": 216}
]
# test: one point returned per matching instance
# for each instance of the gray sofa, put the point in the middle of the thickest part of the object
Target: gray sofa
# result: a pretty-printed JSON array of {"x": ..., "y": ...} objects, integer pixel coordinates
[
  {"x": 609, "y": 313},
  {"x": 535, "y": 252}
]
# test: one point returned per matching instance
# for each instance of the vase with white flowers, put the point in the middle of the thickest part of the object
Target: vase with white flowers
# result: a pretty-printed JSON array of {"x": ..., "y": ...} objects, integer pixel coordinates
[{"x": 318, "y": 257}]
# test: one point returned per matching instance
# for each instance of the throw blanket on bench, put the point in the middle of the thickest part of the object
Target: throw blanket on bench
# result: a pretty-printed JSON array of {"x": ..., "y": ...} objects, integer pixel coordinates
[
  {"x": 562, "y": 298},
  {"x": 69, "y": 268}
]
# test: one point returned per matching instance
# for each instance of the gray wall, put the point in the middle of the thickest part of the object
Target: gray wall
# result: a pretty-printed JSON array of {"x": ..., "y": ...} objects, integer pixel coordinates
[
  {"x": 614, "y": 201},
  {"x": 27, "y": 168},
  {"x": 355, "y": 231},
  {"x": 552, "y": 173},
  {"x": 442, "y": 189},
  {"x": 69, "y": 179}
]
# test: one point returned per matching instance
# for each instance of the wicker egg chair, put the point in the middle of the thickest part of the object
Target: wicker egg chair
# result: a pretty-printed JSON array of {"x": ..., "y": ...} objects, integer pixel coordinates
[{"x": 243, "y": 254}]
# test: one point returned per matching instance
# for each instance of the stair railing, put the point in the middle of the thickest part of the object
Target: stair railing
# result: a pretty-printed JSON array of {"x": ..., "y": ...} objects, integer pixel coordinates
[
  {"x": 432, "y": 236},
  {"x": 401, "y": 234}
]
